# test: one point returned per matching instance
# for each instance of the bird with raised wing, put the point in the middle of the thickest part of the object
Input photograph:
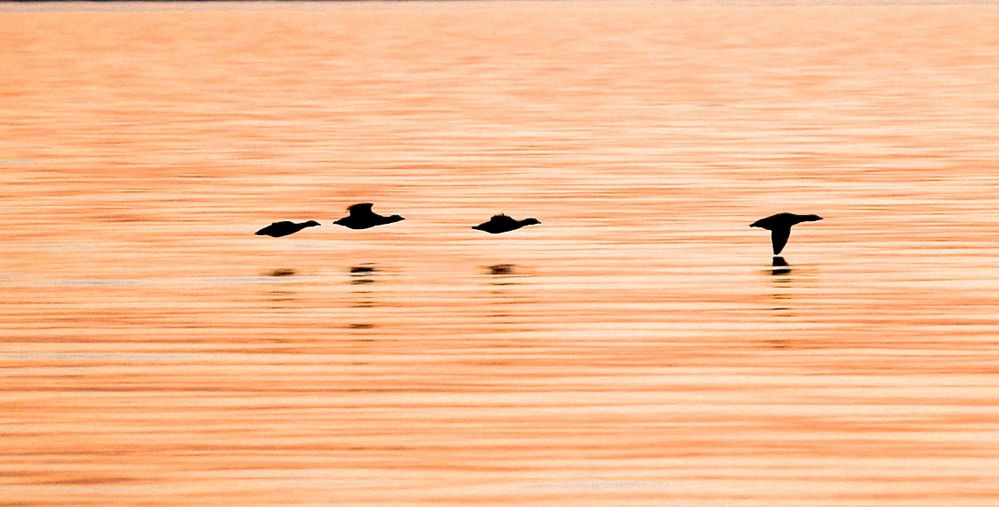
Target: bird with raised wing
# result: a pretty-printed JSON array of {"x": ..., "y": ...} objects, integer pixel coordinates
[
  {"x": 361, "y": 217},
  {"x": 780, "y": 225}
]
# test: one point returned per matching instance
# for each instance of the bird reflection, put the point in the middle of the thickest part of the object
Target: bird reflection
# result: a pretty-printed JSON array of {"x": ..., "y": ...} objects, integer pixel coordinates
[
  {"x": 504, "y": 274},
  {"x": 780, "y": 266},
  {"x": 283, "y": 297},
  {"x": 780, "y": 270},
  {"x": 361, "y": 277},
  {"x": 502, "y": 278},
  {"x": 362, "y": 274},
  {"x": 502, "y": 269}
]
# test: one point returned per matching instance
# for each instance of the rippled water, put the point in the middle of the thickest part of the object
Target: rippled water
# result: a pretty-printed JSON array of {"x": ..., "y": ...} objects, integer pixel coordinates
[{"x": 636, "y": 348}]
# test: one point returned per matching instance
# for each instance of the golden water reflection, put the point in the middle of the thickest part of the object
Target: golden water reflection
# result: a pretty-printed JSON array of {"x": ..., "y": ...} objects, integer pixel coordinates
[{"x": 638, "y": 347}]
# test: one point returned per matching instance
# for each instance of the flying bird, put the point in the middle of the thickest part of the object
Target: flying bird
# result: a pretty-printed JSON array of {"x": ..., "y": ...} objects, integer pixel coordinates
[
  {"x": 361, "y": 217},
  {"x": 278, "y": 229},
  {"x": 779, "y": 226},
  {"x": 502, "y": 223}
]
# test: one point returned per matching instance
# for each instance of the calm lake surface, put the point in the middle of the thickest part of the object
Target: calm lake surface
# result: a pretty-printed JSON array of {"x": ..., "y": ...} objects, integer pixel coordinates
[{"x": 637, "y": 348}]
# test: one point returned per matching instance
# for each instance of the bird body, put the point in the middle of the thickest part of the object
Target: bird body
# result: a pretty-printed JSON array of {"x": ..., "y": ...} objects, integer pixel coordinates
[
  {"x": 284, "y": 228},
  {"x": 780, "y": 225},
  {"x": 502, "y": 223},
  {"x": 360, "y": 216}
]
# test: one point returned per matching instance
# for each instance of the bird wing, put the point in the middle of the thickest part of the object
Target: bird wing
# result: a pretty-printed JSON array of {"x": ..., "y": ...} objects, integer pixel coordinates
[
  {"x": 779, "y": 236},
  {"x": 771, "y": 222},
  {"x": 363, "y": 208},
  {"x": 501, "y": 219}
]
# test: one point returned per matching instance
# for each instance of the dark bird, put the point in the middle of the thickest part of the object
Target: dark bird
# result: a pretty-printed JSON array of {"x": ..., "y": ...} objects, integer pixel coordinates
[
  {"x": 779, "y": 226},
  {"x": 502, "y": 223},
  {"x": 278, "y": 229},
  {"x": 361, "y": 217}
]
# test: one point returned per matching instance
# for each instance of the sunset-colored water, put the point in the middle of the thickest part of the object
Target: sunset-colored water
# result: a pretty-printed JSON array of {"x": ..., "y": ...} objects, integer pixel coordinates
[{"x": 636, "y": 348}]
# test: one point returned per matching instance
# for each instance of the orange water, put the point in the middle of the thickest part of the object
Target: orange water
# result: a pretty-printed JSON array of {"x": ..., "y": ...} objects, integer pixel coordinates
[{"x": 634, "y": 349}]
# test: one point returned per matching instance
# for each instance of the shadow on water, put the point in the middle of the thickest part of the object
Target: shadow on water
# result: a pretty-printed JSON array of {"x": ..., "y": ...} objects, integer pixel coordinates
[
  {"x": 503, "y": 295},
  {"x": 781, "y": 283},
  {"x": 504, "y": 274},
  {"x": 502, "y": 269},
  {"x": 283, "y": 297},
  {"x": 363, "y": 274},
  {"x": 780, "y": 266},
  {"x": 362, "y": 277},
  {"x": 789, "y": 290}
]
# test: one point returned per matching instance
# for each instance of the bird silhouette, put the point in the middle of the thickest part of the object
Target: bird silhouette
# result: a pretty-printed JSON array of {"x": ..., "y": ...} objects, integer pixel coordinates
[
  {"x": 278, "y": 229},
  {"x": 502, "y": 223},
  {"x": 361, "y": 217},
  {"x": 779, "y": 226}
]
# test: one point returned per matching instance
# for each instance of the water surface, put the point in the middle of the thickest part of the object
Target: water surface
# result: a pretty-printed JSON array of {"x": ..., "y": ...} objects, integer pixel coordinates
[{"x": 637, "y": 348}]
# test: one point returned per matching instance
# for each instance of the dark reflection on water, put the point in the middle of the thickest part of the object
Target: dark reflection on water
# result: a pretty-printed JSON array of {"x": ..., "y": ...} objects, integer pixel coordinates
[
  {"x": 361, "y": 277},
  {"x": 790, "y": 288},
  {"x": 502, "y": 269},
  {"x": 504, "y": 297},
  {"x": 505, "y": 274},
  {"x": 282, "y": 295},
  {"x": 363, "y": 274},
  {"x": 781, "y": 283},
  {"x": 282, "y": 298},
  {"x": 780, "y": 266}
]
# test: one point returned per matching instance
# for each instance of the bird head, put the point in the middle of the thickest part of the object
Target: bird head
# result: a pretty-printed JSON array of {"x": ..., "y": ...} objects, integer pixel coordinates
[{"x": 530, "y": 221}]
